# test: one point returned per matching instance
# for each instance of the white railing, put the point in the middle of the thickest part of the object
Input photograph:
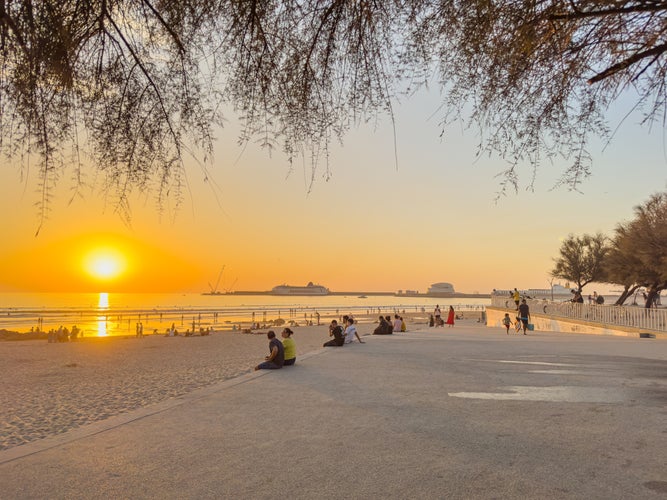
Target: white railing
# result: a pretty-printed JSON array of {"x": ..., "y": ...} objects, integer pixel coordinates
[{"x": 632, "y": 316}]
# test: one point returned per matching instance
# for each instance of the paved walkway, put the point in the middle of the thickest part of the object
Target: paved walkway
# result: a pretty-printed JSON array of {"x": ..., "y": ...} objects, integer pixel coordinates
[{"x": 443, "y": 413}]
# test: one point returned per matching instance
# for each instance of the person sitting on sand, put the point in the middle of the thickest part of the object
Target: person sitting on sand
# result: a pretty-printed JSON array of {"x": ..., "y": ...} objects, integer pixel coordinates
[
  {"x": 404, "y": 327},
  {"x": 390, "y": 326},
  {"x": 351, "y": 332},
  {"x": 335, "y": 331},
  {"x": 289, "y": 346},
  {"x": 276, "y": 358}
]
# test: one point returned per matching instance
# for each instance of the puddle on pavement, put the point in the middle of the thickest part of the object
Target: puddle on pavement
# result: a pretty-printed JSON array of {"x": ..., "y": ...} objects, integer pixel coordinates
[
  {"x": 565, "y": 394},
  {"x": 514, "y": 362},
  {"x": 559, "y": 372},
  {"x": 542, "y": 363}
]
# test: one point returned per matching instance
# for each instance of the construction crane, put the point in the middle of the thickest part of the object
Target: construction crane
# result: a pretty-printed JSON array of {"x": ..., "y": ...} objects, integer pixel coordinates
[{"x": 214, "y": 289}]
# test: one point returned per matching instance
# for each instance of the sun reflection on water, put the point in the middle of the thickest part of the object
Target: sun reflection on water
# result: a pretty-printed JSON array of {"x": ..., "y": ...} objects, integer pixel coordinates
[{"x": 103, "y": 303}]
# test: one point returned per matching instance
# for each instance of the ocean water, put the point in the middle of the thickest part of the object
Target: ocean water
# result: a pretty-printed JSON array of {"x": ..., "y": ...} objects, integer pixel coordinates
[{"x": 102, "y": 314}]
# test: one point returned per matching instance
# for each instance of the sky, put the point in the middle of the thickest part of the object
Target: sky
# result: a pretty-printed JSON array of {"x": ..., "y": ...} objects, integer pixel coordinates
[{"x": 367, "y": 223}]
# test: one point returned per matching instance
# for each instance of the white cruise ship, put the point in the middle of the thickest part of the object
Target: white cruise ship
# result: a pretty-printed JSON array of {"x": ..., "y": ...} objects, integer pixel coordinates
[{"x": 309, "y": 289}]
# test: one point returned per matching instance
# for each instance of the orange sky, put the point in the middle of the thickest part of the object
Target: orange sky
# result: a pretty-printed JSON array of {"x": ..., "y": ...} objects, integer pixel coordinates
[{"x": 367, "y": 226}]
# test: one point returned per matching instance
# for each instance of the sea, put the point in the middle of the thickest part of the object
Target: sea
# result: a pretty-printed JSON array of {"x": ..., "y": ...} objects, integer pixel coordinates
[{"x": 108, "y": 314}]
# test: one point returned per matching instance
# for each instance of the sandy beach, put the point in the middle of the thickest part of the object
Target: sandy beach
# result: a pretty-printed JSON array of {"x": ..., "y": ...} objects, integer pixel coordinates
[{"x": 50, "y": 388}]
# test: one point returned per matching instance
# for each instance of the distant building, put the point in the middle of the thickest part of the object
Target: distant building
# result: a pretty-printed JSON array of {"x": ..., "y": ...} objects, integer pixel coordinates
[
  {"x": 545, "y": 292},
  {"x": 441, "y": 289},
  {"x": 539, "y": 293}
]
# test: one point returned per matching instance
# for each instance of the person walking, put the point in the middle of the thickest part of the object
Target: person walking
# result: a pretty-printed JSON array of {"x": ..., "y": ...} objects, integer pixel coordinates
[
  {"x": 524, "y": 315},
  {"x": 507, "y": 322},
  {"x": 437, "y": 314}
]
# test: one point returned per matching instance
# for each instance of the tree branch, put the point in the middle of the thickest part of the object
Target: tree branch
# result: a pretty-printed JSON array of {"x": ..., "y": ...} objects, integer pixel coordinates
[
  {"x": 581, "y": 14},
  {"x": 9, "y": 22},
  {"x": 146, "y": 73},
  {"x": 615, "y": 68},
  {"x": 166, "y": 26}
]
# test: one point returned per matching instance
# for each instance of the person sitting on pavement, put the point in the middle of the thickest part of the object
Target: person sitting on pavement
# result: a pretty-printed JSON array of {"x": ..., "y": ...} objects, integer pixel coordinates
[
  {"x": 382, "y": 328},
  {"x": 351, "y": 332},
  {"x": 397, "y": 323},
  {"x": 335, "y": 331},
  {"x": 289, "y": 346},
  {"x": 276, "y": 358}
]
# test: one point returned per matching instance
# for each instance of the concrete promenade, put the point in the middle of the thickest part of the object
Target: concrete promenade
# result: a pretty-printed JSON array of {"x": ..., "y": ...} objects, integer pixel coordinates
[{"x": 467, "y": 412}]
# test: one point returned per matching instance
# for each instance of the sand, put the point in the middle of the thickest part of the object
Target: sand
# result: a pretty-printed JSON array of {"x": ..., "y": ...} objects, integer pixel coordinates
[{"x": 50, "y": 388}]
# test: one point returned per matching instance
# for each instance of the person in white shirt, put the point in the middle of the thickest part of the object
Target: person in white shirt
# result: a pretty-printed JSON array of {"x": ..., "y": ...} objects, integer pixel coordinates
[
  {"x": 351, "y": 332},
  {"x": 397, "y": 323}
]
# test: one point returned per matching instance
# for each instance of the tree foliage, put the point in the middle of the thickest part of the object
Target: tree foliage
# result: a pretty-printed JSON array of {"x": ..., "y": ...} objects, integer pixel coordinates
[
  {"x": 638, "y": 253},
  {"x": 140, "y": 83},
  {"x": 581, "y": 259}
]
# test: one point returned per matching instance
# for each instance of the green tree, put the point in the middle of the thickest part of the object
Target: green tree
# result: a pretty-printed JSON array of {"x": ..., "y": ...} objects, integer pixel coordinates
[
  {"x": 139, "y": 84},
  {"x": 581, "y": 259},
  {"x": 638, "y": 253}
]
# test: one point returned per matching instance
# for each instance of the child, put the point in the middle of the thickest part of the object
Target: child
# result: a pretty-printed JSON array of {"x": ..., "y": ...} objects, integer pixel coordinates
[
  {"x": 507, "y": 322},
  {"x": 517, "y": 324}
]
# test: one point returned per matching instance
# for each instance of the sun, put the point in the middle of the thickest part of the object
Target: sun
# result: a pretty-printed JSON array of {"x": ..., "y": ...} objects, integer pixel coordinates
[{"x": 105, "y": 264}]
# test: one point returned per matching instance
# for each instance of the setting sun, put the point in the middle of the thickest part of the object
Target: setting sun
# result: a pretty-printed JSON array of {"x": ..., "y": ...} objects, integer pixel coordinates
[{"x": 105, "y": 264}]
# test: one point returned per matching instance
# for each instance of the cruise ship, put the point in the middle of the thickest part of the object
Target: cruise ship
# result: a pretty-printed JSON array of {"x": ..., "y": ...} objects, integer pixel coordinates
[{"x": 309, "y": 289}]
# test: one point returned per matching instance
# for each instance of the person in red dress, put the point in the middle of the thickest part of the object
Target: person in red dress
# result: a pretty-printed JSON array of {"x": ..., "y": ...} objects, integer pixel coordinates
[{"x": 450, "y": 317}]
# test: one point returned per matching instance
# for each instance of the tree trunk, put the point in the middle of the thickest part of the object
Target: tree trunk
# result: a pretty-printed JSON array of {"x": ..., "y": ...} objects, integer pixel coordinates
[
  {"x": 651, "y": 296},
  {"x": 653, "y": 292},
  {"x": 627, "y": 293}
]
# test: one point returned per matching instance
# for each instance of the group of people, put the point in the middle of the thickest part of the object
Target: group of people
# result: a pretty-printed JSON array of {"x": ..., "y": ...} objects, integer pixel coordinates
[
  {"x": 280, "y": 353},
  {"x": 342, "y": 336},
  {"x": 522, "y": 318},
  {"x": 63, "y": 334},
  {"x": 436, "y": 318},
  {"x": 387, "y": 327}
]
